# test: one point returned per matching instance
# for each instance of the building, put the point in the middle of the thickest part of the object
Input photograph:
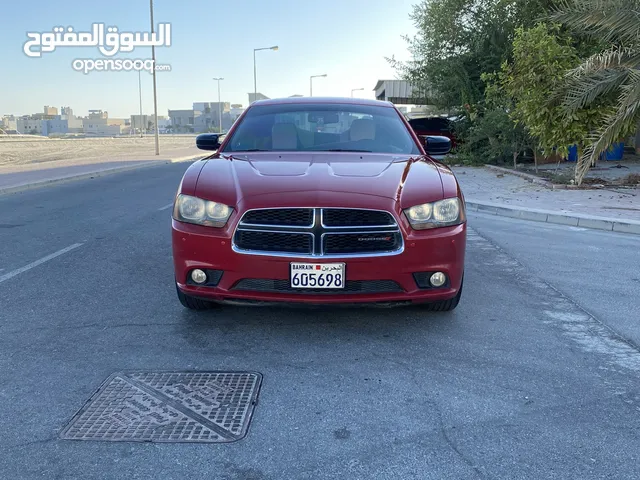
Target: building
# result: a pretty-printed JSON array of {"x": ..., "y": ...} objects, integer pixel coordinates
[
  {"x": 74, "y": 124},
  {"x": 400, "y": 92},
  {"x": 164, "y": 123},
  {"x": 28, "y": 125},
  {"x": 98, "y": 123},
  {"x": 98, "y": 115},
  {"x": 254, "y": 97},
  {"x": 213, "y": 107},
  {"x": 50, "y": 110},
  {"x": 181, "y": 120},
  {"x": 206, "y": 116},
  {"x": 142, "y": 123},
  {"x": 56, "y": 126},
  {"x": 146, "y": 122},
  {"x": 9, "y": 123},
  {"x": 101, "y": 129}
]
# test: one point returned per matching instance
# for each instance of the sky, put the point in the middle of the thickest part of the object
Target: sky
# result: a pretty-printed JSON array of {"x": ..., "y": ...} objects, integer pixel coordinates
[{"x": 346, "y": 39}]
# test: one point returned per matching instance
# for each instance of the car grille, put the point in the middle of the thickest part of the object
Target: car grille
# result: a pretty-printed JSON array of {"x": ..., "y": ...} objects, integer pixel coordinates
[
  {"x": 318, "y": 232},
  {"x": 297, "y": 217},
  {"x": 351, "y": 286},
  {"x": 361, "y": 242},
  {"x": 344, "y": 217},
  {"x": 273, "y": 241}
]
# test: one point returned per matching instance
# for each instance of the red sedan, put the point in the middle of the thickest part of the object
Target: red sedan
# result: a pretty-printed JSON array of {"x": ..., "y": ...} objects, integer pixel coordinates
[{"x": 355, "y": 213}]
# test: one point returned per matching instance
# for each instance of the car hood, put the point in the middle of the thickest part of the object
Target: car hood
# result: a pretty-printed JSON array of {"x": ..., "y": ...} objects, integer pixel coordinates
[{"x": 409, "y": 180}]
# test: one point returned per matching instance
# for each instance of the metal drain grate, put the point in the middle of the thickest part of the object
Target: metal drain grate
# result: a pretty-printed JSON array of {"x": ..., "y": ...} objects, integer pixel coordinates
[{"x": 210, "y": 407}]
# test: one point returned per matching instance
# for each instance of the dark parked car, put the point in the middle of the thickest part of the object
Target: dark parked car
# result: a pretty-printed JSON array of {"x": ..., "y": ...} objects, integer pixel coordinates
[{"x": 427, "y": 126}]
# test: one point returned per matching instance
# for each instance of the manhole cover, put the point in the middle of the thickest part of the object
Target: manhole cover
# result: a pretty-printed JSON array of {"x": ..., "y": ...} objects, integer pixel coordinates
[{"x": 212, "y": 407}]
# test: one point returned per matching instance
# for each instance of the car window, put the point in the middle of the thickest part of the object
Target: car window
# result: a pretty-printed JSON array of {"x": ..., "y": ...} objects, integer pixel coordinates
[{"x": 322, "y": 127}]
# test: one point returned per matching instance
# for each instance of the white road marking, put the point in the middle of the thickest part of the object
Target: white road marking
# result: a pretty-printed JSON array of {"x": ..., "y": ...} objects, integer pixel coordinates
[
  {"x": 12, "y": 274},
  {"x": 166, "y": 206}
]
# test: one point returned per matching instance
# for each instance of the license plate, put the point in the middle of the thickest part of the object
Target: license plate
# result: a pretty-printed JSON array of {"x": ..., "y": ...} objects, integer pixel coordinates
[{"x": 317, "y": 275}]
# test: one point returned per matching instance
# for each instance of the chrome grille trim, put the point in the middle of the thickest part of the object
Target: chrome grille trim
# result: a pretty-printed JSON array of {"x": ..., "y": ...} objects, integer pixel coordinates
[{"x": 318, "y": 231}]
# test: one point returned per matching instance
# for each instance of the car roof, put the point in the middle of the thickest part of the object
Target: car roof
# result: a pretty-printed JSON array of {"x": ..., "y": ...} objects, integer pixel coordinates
[{"x": 327, "y": 100}]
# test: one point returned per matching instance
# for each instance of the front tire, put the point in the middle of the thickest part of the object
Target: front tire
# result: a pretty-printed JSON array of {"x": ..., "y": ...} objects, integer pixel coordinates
[
  {"x": 446, "y": 305},
  {"x": 193, "y": 303}
]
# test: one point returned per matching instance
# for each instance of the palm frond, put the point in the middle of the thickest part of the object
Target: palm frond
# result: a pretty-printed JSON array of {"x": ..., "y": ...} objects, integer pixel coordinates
[
  {"x": 614, "y": 57},
  {"x": 611, "y": 20},
  {"x": 630, "y": 91},
  {"x": 583, "y": 91},
  {"x": 616, "y": 125}
]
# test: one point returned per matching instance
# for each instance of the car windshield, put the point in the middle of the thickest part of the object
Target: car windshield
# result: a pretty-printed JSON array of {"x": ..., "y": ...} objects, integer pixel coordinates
[{"x": 322, "y": 128}]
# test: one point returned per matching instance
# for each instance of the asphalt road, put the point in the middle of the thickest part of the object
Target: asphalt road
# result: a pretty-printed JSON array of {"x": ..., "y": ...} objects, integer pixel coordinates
[{"x": 533, "y": 376}]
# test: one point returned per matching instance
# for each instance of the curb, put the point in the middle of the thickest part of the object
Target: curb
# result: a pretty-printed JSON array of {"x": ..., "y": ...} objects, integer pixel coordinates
[
  {"x": 95, "y": 174},
  {"x": 531, "y": 178},
  {"x": 546, "y": 216}
]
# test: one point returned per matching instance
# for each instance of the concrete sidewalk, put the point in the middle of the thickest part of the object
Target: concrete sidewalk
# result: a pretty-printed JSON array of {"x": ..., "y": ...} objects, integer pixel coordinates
[
  {"x": 15, "y": 178},
  {"x": 508, "y": 195}
]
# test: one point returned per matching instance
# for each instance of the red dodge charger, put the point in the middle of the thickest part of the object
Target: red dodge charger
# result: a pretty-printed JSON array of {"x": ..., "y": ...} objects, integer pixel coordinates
[{"x": 319, "y": 200}]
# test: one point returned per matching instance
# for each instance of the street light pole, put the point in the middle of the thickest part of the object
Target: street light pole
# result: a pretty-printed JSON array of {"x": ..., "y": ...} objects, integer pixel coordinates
[
  {"x": 311, "y": 82},
  {"x": 355, "y": 90},
  {"x": 155, "y": 97},
  {"x": 140, "y": 93},
  {"x": 219, "y": 103},
  {"x": 255, "y": 81},
  {"x": 255, "y": 77}
]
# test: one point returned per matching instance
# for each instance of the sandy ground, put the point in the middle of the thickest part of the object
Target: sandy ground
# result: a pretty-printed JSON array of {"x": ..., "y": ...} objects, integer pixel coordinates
[{"x": 25, "y": 150}]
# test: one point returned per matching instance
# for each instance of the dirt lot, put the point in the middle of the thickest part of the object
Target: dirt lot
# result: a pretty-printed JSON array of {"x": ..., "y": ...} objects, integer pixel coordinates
[{"x": 24, "y": 150}]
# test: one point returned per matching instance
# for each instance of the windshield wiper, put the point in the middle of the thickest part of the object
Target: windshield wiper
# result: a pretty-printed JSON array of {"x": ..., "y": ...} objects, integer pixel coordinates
[{"x": 346, "y": 150}]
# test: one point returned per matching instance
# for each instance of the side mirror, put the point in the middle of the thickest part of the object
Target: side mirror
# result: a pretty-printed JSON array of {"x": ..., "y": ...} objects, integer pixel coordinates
[
  {"x": 437, "y": 145},
  {"x": 209, "y": 141}
]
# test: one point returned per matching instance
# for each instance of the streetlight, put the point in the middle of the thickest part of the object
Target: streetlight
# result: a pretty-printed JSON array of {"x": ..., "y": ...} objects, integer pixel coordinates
[
  {"x": 140, "y": 93},
  {"x": 155, "y": 97},
  {"x": 311, "y": 82},
  {"x": 219, "y": 104},
  {"x": 355, "y": 90},
  {"x": 255, "y": 82}
]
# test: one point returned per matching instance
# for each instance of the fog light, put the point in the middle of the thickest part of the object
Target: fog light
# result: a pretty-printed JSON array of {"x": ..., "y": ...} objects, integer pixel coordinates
[
  {"x": 198, "y": 276},
  {"x": 438, "y": 279}
]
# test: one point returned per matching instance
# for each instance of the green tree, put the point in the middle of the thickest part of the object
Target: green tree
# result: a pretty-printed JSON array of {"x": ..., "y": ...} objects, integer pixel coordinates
[
  {"x": 459, "y": 40},
  {"x": 493, "y": 136},
  {"x": 609, "y": 77},
  {"x": 541, "y": 60}
]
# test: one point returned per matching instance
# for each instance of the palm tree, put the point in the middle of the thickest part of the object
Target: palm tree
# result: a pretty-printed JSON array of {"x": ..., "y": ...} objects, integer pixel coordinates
[{"x": 614, "y": 71}]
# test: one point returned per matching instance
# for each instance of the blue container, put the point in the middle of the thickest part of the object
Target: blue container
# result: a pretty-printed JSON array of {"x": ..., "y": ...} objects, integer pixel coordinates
[{"x": 615, "y": 153}]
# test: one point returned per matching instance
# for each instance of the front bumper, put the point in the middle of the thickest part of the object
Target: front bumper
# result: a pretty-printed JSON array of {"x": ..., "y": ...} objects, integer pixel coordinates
[{"x": 441, "y": 249}]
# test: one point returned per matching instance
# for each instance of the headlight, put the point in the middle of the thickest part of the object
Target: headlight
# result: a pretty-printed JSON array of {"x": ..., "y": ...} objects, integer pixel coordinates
[
  {"x": 442, "y": 213},
  {"x": 202, "y": 212}
]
